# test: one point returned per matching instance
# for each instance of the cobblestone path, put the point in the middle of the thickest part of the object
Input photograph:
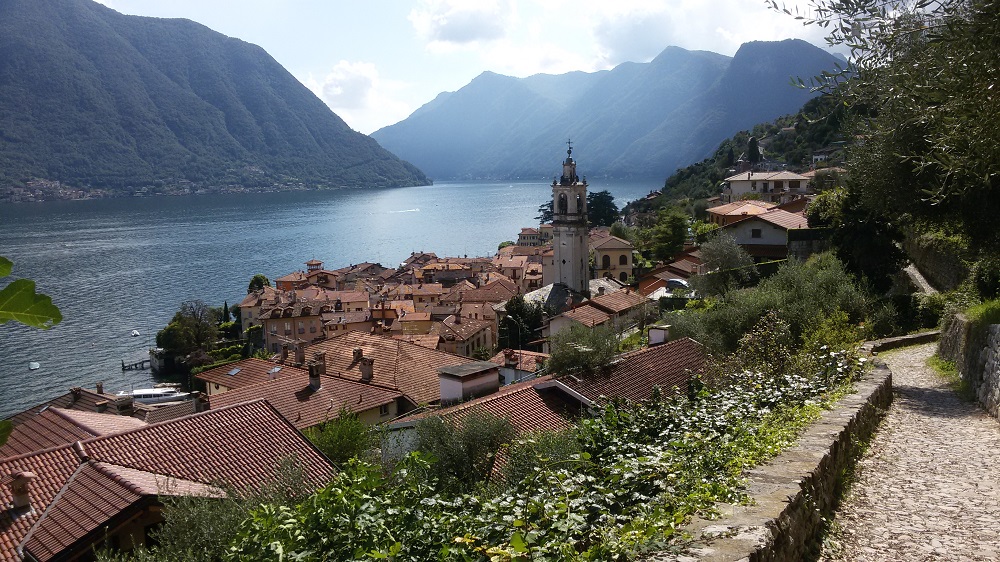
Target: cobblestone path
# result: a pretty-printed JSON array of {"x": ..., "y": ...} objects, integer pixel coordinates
[{"x": 929, "y": 486}]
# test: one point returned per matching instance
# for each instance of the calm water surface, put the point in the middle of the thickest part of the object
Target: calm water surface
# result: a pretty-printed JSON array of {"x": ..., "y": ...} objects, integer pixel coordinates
[{"x": 117, "y": 265}]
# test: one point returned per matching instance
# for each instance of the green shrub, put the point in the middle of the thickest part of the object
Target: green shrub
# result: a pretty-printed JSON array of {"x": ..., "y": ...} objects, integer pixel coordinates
[
  {"x": 344, "y": 438},
  {"x": 986, "y": 276}
]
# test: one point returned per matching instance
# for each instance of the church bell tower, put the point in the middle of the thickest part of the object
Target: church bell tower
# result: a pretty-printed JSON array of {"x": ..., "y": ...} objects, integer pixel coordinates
[{"x": 569, "y": 227}]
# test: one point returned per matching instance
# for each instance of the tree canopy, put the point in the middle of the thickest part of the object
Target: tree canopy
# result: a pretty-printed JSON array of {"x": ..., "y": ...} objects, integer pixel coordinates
[
  {"x": 922, "y": 79},
  {"x": 601, "y": 208},
  {"x": 257, "y": 283}
]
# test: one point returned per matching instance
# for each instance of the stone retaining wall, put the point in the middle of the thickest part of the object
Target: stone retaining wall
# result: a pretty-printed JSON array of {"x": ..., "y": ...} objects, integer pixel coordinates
[
  {"x": 795, "y": 493},
  {"x": 976, "y": 354}
]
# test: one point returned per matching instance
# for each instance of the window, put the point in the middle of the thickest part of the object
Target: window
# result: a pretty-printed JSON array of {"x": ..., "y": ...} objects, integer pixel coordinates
[
  {"x": 302, "y": 327},
  {"x": 753, "y": 185},
  {"x": 764, "y": 186},
  {"x": 623, "y": 276},
  {"x": 755, "y": 233},
  {"x": 622, "y": 260},
  {"x": 606, "y": 262},
  {"x": 383, "y": 410}
]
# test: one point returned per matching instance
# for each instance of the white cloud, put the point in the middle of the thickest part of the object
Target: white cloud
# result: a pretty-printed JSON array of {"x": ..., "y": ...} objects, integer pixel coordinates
[
  {"x": 638, "y": 35},
  {"x": 449, "y": 24},
  {"x": 355, "y": 92}
]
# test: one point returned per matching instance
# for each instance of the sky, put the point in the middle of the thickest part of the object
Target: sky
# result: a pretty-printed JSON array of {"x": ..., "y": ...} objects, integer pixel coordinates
[{"x": 376, "y": 61}]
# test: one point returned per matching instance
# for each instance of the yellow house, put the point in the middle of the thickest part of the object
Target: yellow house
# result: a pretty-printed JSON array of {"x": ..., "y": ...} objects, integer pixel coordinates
[{"x": 613, "y": 258}]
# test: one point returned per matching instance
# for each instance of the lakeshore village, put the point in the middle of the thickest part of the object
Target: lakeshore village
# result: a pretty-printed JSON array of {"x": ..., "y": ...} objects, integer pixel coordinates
[{"x": 436, "y": 337}]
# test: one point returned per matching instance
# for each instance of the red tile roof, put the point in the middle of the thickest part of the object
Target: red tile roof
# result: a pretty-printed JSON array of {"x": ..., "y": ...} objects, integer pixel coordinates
[
  {"x": 408, "y": 367},
  {"x": 530, "y": 406},
  {"x": 430, "y": 341},
  {"x": 636, "y": 373},
  {"x": 611, "y": 243},
  {"x": 529, "y": 361},
  {"x": 618, "y": 301},
  {"x": 251, "y": 371},
  {"x": 79, "y": 487},
  {"x": 588, "y": 315},
  {"x": 304, "y": 407},
  {"x": 54, "y": 426}
]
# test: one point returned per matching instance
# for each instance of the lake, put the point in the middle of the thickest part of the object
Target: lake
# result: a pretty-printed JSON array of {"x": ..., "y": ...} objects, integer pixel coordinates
[{"x": 117, "y": 265}]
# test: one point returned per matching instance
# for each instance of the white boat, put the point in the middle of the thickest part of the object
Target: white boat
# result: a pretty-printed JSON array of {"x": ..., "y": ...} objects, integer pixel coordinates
[
  {"x": 155, "y": 395},
  {"x": 33, "y": 365},
  {"x": 135, "y": 333}
]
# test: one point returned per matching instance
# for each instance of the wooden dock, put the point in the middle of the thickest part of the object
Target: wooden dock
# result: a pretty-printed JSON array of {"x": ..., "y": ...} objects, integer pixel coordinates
[{"x": 137, "y": 366}]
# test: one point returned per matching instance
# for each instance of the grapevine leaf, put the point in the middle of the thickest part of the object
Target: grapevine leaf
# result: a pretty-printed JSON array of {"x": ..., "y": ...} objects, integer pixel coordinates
[{"x": 19, "y": 302}]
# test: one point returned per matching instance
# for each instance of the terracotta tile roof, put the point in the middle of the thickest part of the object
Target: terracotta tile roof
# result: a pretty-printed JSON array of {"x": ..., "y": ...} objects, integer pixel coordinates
[
  {"x": 451, "y": 329},
  {"x": 636, "y": 373},
  {"x": 514, "y": 261},
  {"x": 80, "y": 511},
  {"x": 529, "y": 361},
  {"x": 588, "y": 315},
  {"x": 76, "y": 399},
  {"x": 618, "y": 301},
  {"x": 156, "y": 413},
  {"x": 251, "y": 371},
  {"x": 530, "y": 406},
  {"x": 400, "y": 306},
  {"x": 408, "y": 367},
  {"x": 54, "y": 427},
  {"x": 304, "y": 407},
  {"x": 79, "y": 487},
  {"x": 797, "y": 206},
  {"x": 415, "y": 317},
  {"x": 612, "y": 243},
  {"x": 348, "y": 317},
  {"x": 256, "y": 298},
  {"x": 430, "y": 341},
  {"x": 493, "y": 292},
  {"x": 784, "y": 219},
  {"x": 748, "y": 207},
  {"x": 296, "y": 276},
  {"x": 529, "y": 230}
]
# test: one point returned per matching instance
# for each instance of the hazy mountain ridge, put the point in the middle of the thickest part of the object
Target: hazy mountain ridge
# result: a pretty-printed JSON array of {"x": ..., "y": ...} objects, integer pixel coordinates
[
  {"x": 89, "y": 96},
  {"x": 638, "y": 120}
]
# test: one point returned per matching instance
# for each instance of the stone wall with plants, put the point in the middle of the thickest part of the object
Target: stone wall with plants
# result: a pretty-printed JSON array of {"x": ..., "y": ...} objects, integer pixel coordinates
[
  {"x": 795, "y": 493},
  {"x": 972, "y": 343}
]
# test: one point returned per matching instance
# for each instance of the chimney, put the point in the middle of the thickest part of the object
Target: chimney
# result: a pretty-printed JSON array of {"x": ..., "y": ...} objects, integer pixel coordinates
[
  {"x": 600, "y": 290},
  {"x": 320, "y": 358},
  {"x": 20, "y": 489},
  {"x": 300, "y": 355},
  {"x": 658, "y": 335},
  {"x": 100, "y": 387},
  {"x": 358, "y": 354},
  {"x": 284, "y": 352},
  {"x": 314, "y": 373},
  {"x": 367, "y": 369},
  {"x": 509, "y": 358}
]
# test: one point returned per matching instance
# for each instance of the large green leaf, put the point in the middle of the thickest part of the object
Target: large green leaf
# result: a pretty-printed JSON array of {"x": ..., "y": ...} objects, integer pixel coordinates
[
  {"x": 19, "y": 302},
  {"x": 6, "y": 266}
]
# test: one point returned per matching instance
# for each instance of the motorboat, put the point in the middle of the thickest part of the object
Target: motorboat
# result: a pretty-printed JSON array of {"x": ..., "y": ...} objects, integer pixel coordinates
[
  {"x": 33, "y": 365},
  {"x": 156, "y": 395}
]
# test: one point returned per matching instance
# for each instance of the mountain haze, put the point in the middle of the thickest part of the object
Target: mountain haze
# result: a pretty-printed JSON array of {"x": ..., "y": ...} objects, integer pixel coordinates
[
  {"x": 640, "y": 120},
  {"x": 91, "y": 97}
]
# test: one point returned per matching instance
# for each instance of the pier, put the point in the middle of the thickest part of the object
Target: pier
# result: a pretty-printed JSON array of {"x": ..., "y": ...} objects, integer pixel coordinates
[{"x": 137, "y": 366}]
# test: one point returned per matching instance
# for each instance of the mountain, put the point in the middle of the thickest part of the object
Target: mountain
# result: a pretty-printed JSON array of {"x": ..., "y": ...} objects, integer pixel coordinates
[
  {"x": 95, "y": 98},
  {"x": 640, "y": 120}
]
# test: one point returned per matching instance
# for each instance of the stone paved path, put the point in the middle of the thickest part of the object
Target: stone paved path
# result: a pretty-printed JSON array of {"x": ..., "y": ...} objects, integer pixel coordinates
[{"x": 929, "y": 486}]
